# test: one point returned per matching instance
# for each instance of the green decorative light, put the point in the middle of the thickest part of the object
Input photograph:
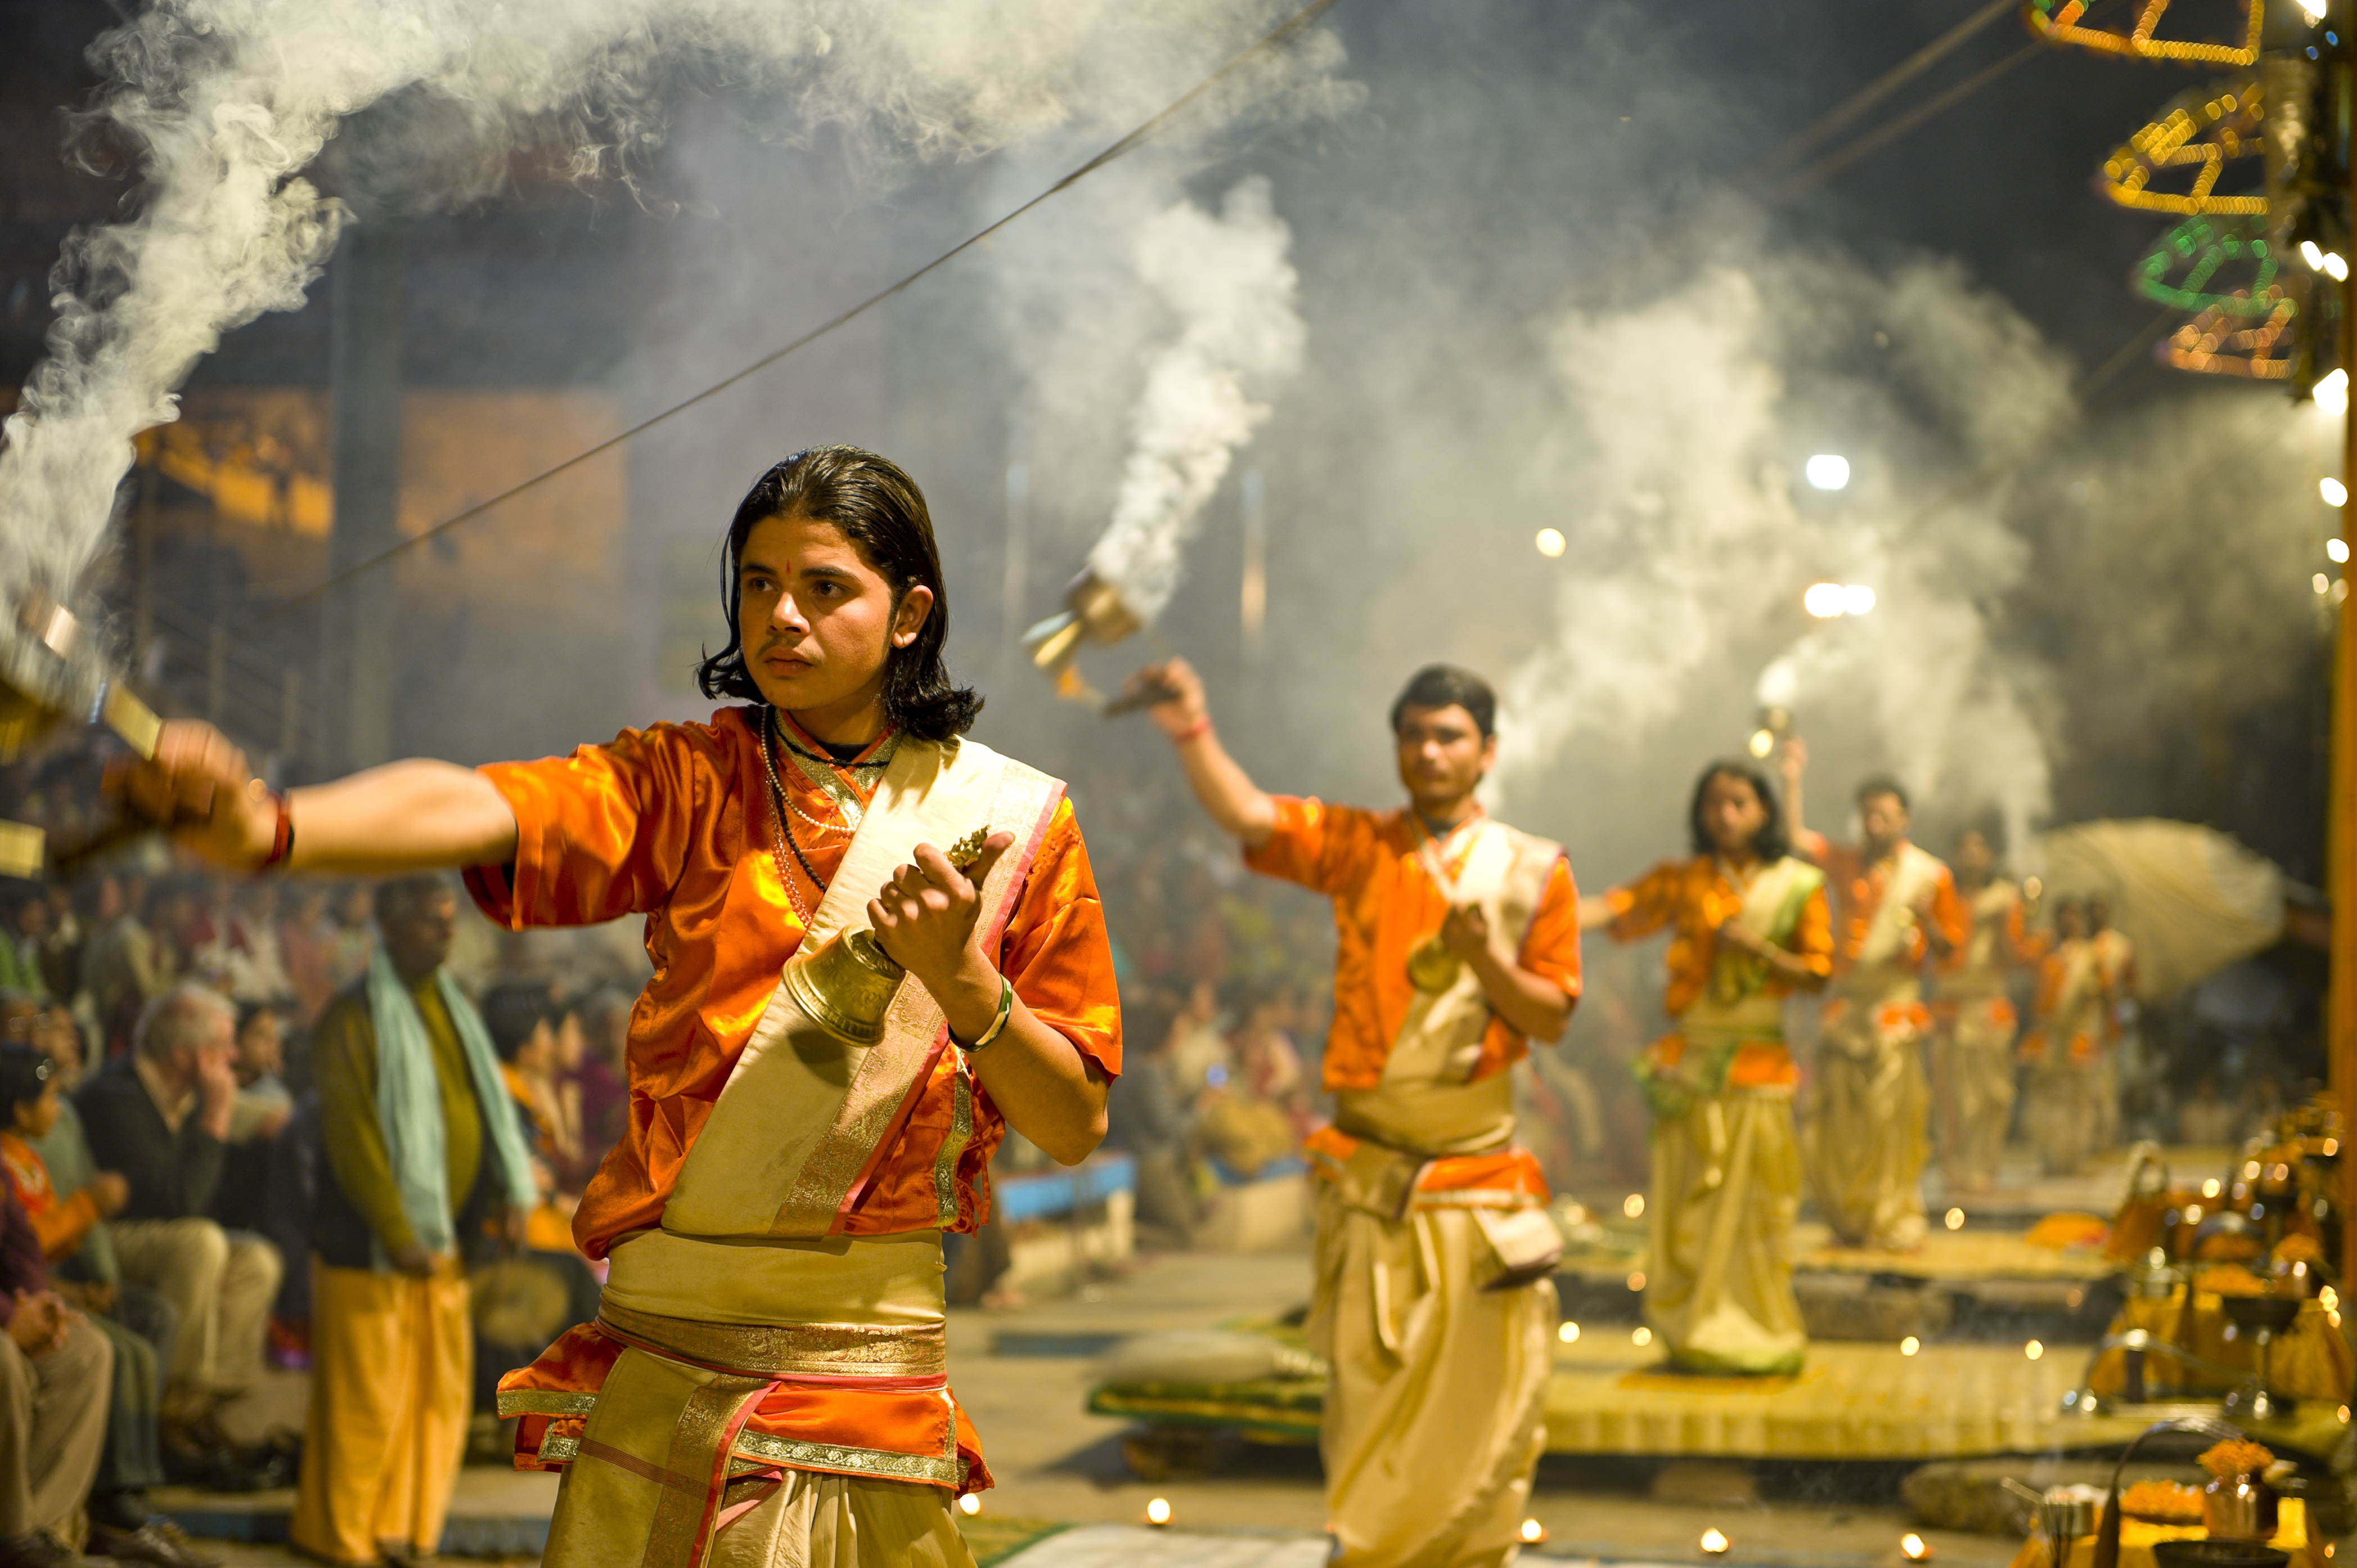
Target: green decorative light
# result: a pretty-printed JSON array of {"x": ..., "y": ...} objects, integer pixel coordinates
[{"x": 2210, "y": 263}]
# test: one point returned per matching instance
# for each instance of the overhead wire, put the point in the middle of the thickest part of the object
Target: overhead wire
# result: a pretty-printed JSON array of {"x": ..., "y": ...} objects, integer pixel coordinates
[
  {"x": 1276, "y": 37},
  {"x": 1881, "y": 87}
]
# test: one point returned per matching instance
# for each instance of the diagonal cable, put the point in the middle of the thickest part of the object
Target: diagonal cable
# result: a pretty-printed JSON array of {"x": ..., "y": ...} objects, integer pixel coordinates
[
  {"x": 1881, "y": 87},
  {"x": 1285, "y": 33}
]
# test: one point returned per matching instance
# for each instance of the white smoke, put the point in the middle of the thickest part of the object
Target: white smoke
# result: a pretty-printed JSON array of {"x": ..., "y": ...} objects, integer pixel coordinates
[
  {"x": 1229, "y": 282},
  {"x": 1686, "y": 433},
  {"x": 231, "y": 101}
]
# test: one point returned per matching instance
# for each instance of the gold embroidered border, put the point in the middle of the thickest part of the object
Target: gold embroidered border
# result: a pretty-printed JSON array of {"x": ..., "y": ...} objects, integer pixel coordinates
[
  {"x": 559, "y": 1449},
  {"x": 792, "y": 1349},
  {"x": 961, "y": 1133},
  {"x": 544, "y": 1402},
  {"x": 938, "y": 1470},
  {"x": 1475, "y": 1198},
  {"x": 677, "y": 1539}
]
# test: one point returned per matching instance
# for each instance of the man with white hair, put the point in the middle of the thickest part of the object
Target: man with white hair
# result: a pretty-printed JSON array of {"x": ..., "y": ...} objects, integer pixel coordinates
[{"x": 160, "y": 1115}]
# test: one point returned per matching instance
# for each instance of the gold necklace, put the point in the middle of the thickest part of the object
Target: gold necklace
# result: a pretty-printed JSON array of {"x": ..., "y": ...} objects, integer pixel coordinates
[{"x": 781, "y": 838}]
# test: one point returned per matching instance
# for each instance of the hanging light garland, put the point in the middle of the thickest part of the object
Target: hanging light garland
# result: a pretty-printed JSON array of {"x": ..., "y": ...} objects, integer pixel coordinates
[
  {"x": 2211, "y": 263},
  {"x": 2058, "y": 20},
  {"x": 2196, "y": 131},
  {"x": 2219, "y": 343}
]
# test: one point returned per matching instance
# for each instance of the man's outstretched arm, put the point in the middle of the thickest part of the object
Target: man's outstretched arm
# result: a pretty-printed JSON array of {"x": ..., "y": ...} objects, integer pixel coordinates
[
  {"x": 1241, "y": 808},
  {"x": 419, "y": 815}
]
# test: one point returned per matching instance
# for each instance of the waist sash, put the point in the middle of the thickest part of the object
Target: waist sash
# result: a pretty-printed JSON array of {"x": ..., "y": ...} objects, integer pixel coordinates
[
  {"x": 805, "y": 1115},
  {"x": 665, "y": 1433}
]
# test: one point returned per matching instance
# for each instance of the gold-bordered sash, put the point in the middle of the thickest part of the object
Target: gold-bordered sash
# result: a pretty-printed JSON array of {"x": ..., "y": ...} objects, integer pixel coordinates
[{"x": 804, "y": 1115}]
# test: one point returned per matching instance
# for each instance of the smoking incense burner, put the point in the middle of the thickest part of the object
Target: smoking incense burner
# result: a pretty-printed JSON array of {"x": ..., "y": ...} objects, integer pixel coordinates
[{"x": 50, "y": 673}]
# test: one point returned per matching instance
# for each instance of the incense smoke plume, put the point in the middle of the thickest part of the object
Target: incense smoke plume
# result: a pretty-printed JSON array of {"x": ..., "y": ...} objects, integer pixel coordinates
[
  {"x": 1227, "y": 279},
  {"x": 1685, "y": 423},
  {"x": 231, "y": 101}
]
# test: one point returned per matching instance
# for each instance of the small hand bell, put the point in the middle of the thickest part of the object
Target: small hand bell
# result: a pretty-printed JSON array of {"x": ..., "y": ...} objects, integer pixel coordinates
[
  {"x": 1431, "y": 967},
  {"x": 847, "y": 985}
]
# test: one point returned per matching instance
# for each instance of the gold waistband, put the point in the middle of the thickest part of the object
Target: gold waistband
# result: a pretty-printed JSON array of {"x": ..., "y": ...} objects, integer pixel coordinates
[
  {"x": 787, "y": 1349},
  {"x": 1431, "y": 1118},
  {"x": 840, "y": 1307}
]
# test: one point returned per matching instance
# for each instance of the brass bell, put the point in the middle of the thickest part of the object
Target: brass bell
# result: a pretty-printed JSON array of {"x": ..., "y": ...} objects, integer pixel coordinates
[{"x": 847, "y": 985}]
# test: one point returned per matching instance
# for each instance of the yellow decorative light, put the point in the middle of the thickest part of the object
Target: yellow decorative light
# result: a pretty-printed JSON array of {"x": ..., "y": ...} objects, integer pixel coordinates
[
  {"x": 1914, "y": 1548},
  {"x": 970, "y": 1504},
  {"x": 1909, "y": 1346},
  {"x": 1568, "y": 1333},
  {"x": 2060, "y": 24},
  {"x": 2195, "y": 134},
  {"x": 1157, "y": 1512},
  {"x": 1714, "y": 1542},
  {"x": 1533, "y": 1532},
  {"x": 2224, "y": 342}
]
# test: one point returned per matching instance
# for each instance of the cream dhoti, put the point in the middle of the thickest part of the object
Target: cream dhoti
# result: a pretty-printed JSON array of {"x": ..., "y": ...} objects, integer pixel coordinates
[
  {"x": 1435, "y": 1306},
  {"x": 746, "y": 1391}
]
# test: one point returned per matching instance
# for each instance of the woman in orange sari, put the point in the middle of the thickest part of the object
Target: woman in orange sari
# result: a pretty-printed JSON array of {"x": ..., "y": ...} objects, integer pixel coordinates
[{"x": 1748, "y": 927}]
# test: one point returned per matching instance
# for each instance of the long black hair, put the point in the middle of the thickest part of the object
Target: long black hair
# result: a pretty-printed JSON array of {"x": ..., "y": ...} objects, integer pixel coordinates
[
  {"x": 880, "y": 509},
  {"x": 1773, "y": 841}
]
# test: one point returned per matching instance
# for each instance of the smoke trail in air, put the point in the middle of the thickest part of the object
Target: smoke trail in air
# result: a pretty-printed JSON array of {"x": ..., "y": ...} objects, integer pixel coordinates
[
  {"x": 1227, "y": 279},
  {"x": 1688, "y": 419},
  {"x": 231, "y": 101}
]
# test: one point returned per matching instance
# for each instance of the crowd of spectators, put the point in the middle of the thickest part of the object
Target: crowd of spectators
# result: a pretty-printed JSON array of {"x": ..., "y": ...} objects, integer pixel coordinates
[{"x": 169, "y": 1178}]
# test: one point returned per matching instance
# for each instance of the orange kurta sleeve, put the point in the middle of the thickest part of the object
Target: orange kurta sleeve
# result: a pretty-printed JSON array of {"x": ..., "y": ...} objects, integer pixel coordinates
[
  {"x": 1056, "y": 950},
  {"x": 1813, "y": 935},
  {"x": 1948, "y": 912},
  {"x": 1645, "y": 905},
  {"x": 1326, "y": 849}
]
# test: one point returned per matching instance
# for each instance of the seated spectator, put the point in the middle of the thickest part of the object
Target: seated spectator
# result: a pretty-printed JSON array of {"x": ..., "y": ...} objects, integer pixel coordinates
[
  {"x": 258, "y": 1116},
  {"x": 1267, "y": 1067},
  {"x": 161, "y": 1116},
  {"x": 1146, "y": 1118},
  {"x": 24, "y": 921},
  {"x": 122, "y": 1522},
  {"x": 56, "y": 1380},
  {"x": 603, "y": 1079},
  {"x": 125, "y": 965}
]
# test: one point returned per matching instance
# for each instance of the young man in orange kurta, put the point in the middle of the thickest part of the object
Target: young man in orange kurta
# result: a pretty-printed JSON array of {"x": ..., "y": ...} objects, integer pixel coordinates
[
  {"x": 1458, "y": 941},
  {"x": 765, "y": 1382},
  {"x": 1895, "y": 907}
]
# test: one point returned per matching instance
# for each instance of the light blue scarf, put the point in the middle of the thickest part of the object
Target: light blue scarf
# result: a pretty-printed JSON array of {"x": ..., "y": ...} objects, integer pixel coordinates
[{"x": 409, "y": 1104}]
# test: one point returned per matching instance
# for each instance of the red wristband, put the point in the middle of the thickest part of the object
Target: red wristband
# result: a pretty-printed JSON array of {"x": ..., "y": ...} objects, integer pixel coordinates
[
  {"x": 1200, "y": 726},
  {"x": 281, "y": 838}
]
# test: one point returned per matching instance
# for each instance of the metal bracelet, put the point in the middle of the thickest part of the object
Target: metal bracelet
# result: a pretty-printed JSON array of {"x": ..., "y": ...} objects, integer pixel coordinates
[{"x": 997, "y": 1025}]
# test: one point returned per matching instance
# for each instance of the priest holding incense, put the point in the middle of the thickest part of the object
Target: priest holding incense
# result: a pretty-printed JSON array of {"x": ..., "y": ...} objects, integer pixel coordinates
[
  {"x": 877, "y": 946},
  {"x": 1458, "y": 941}
]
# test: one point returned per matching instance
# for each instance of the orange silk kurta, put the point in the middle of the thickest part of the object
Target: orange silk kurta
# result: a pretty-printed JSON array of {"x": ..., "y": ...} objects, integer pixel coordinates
[
  {"x": 1693, "y": 898},
  {"x": 673, "y": 822},
  {"x": 1858, "y": 890},
  {"x": 1384, "y": 905}
]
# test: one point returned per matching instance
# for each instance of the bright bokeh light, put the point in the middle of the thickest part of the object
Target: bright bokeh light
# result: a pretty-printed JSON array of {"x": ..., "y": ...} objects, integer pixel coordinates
[
  {"x": 2320, "y": 582},
  {"x": 1568, "y": 1333},
  {"x": 1550, "y": 541},
  {"x": 1827, "y": 471},
  {"x": 2033, "y": 1349},
  {"x": 1911, "y": 1546},
  {"x": 1762, "y": 742},
  {"x": 1824, "y": 600},
  {"x": 2210, "y": 1187},
  {"x": 1909, "y": 1346},
  {"x": 1533, "y": 1532},
  {"x": 2314, "y": 11},
  {"x": 1641, "y": 1338},
  {"x": 2335, "y": 266},
  {"x": 1633, "y": 1205},
  {"x": 2313, "y": 256},
  {"x": 2335, "y": 550},
  {"x": 1857, "y": 599},
  {"x": 1714, "y": 1542},
  {"x": 2332, "y": 393},
  {"x": 1158, "y": 1512},
  {"x": 970, "y": 1504},
  {"x": 2334, "y": 492},
  {"x": 1637, "y": 1282},
  {"x": 1954, "y": 1220}
]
